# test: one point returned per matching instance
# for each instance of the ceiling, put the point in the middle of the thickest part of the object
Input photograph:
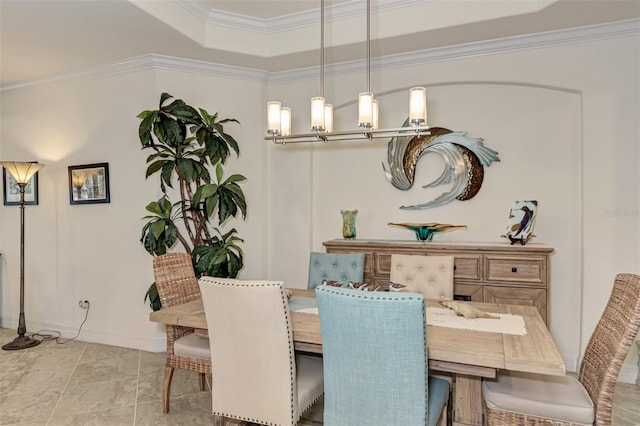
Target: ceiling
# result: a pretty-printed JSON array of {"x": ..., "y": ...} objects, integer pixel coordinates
[{"x": 44, "y": 38}]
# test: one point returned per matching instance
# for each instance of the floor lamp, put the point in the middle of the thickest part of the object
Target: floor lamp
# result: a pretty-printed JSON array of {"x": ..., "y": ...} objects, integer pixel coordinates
[{"x": 21, "y": 172}]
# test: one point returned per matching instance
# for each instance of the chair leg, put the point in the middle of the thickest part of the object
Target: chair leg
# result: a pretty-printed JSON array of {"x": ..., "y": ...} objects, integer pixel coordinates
[
  {"x": 218, "y": 421},
  {"x": 203, "y": 382},
  {"x": 166, "y": 388}
]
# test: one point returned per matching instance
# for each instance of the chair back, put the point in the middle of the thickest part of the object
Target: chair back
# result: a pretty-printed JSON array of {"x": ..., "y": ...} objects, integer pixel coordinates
[
  {"x": 252, "y": 355},
  {"x": 374, "y": 357},
  {"x": 342, "y": 267},
  {"x": 175, "y": 279},
  {"x": 610, "y": 343},
  {"x": 430, "y": 275}
]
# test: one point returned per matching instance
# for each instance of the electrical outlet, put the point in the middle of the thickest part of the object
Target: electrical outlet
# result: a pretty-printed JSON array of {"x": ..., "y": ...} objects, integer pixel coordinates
[{"x": 83, "y": 304}]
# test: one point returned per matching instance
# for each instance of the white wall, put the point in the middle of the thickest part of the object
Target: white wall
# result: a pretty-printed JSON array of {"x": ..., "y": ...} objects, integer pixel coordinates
[
  {"x": 93, "y": 251},
  {"x": 563, "y": 117},
  {"x": 565, "y": 122}
]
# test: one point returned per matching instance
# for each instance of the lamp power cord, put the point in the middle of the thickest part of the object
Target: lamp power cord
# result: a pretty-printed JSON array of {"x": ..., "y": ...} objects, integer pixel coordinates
[{"x": 48, "y": 335}]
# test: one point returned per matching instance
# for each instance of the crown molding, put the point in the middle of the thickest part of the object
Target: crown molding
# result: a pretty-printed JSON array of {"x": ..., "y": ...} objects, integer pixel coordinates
[
  {"x": 491, "y": 47},
  {"x": 468, "y": 50},
  {"x": 143, "y": 63},
  {"x": 278, "y": 24},
  {"x": 207, "y": 68}
]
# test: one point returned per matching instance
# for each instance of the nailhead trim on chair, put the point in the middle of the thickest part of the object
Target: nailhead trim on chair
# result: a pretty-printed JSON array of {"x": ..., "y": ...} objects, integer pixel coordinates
[{"x": 291, "y": 351}]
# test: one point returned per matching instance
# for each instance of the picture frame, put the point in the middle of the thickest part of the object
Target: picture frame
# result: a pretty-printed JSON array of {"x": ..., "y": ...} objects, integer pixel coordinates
[
  {"x": 11, "y": 190},
  {"x": 521, "y": 220},
  {"x": 89, "y": 184}
]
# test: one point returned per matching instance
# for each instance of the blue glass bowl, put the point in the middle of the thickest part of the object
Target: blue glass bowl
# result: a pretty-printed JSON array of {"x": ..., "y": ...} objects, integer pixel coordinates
[{"x": 425, "y": 231}]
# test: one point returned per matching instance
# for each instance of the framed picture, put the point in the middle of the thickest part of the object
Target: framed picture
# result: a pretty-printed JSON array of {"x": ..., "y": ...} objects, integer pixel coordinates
[
  {"x": 89, "y": 183},
  {"x": 11, "y": 190},
  {"x": 521, "y": 218}
]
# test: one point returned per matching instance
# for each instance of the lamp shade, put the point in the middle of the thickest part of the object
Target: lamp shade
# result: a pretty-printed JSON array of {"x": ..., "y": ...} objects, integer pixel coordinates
[
  {"x": 285, "y": 121},
  {"x": 21, "y": 171},
  {"x": 273, "y": 117},
  {"x": 417, "y": 106},
  {"x": 365, "y": 109},
  {"x": 317, "y": 113},
  {"x": 328, "y": 117},
  {"x": 375, "y": 112}
]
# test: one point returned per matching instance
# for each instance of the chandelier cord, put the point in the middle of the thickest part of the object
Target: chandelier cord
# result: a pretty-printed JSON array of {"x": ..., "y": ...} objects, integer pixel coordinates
[
  {"x": 322, "y": 48},
  {"x": 368, "y": 45}
]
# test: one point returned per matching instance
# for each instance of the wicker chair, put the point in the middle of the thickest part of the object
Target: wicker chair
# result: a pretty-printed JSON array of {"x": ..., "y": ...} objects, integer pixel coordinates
[
  {"x": 530, "y": 399},
  {"x": 177, "y": 283}
]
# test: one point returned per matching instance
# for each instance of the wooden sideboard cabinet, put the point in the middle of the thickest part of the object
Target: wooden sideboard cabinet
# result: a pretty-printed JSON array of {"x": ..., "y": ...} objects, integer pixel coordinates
[{"x": 483, "y": 272}]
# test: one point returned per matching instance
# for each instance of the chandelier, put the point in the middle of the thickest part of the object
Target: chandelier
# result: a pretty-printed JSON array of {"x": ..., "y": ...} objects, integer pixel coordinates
[{"x": 279, "y": 118}]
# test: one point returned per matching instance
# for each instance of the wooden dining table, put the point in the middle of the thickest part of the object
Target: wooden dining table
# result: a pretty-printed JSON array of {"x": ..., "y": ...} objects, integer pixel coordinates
[{"x": 468, "y": 355}]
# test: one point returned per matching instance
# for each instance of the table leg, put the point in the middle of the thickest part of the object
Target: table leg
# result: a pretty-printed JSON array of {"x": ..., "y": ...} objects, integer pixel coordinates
[{"x": 467, "y": 400}]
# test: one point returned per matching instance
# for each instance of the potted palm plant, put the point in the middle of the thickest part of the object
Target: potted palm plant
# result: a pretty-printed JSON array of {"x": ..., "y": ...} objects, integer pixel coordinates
[{"x": 189, "y": 148}]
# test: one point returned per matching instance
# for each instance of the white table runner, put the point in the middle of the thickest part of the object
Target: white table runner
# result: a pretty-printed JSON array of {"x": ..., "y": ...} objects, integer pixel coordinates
[
  {"x": 442, "y": 317},
  {"x": 506, "y": 324}
]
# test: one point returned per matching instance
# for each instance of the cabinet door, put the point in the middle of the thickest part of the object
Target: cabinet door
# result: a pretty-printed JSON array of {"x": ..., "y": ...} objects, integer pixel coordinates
[
  {"x": 518, "y": 296},
  {"x": 468, "y": 292}
]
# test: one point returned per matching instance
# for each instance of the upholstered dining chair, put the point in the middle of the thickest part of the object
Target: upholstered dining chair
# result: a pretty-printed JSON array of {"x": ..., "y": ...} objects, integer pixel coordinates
[
  {"x": 375, "y": 360},
  {"x": 533, "y": 399},
  {"x": 341, "y": 267},
  {"x": 177, "y": 283},
  {"x": 257, "y": 376},
  {"x": 430, "y": 275}
]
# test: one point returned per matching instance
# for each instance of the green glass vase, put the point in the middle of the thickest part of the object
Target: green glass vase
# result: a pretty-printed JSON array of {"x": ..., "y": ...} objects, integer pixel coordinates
[{"x": 349, "y": 223}]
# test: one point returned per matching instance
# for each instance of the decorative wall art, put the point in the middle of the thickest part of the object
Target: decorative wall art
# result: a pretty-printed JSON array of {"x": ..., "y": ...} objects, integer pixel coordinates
[
  {"x": 89, "y": 183},
  {"x": 521, "y": 218},
  {"x": 464, "y": 159},
  {"x": 11, "y": 190}
]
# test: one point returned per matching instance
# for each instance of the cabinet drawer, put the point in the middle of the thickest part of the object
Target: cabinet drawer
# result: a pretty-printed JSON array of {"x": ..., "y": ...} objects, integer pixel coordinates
[
  {"x": 531, "y": 270},
  {"x": 467, "y": 267},
  {"x": 468, "y": 292}
]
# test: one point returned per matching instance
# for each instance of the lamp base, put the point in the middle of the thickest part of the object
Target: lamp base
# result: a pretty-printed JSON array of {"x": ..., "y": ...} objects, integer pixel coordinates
[{"x": 21, "y": 342}]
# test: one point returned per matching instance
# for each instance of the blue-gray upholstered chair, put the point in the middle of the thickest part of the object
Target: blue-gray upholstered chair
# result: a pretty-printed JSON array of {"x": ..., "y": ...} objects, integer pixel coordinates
[
  {"x": 375, "y": 360},
  {"x": 342, "y": 267},
  {"x": 258, "y": 377}
]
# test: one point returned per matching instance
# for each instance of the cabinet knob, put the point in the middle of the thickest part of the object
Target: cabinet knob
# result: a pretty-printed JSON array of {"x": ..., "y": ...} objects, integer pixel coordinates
[
  {"x": 514, "y": 269},
  {"x": 454, "y": 267}
]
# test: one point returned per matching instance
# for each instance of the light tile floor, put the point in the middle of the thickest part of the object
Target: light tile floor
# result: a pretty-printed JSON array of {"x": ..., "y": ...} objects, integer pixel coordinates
[{"x": 80, "y": 383}]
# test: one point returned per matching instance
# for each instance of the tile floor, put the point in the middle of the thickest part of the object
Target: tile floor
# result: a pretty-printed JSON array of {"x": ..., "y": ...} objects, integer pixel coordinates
[{"x": 80, "y": 383}]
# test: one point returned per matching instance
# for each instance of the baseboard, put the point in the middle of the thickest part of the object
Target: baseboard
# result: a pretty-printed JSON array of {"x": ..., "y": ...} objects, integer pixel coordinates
[
  {"x": 629, "y": 374},
  {"x": 144, "y": 343},
  {"x": 571, "y": 363}
]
